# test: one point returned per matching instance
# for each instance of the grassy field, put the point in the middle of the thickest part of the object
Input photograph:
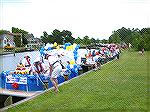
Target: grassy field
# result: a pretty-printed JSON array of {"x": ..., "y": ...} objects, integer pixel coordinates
[{"x": 121, "y": 85}]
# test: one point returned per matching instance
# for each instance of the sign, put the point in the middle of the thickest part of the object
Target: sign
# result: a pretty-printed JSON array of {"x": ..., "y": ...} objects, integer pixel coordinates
[{"x": 19, "y": 80}]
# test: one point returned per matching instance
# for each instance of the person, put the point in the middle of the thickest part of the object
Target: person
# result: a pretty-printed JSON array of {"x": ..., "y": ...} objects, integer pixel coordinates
[
  {"x": 93, "y": 53},
  {"x": 20, "y": 64},
  {"x": 117, "y": 52},
  {"x": 142, "y": 51},
  {"x": 39, "y": 68},
  {"x": 89, "y": 54},
  {"x": 97, "y": 64},
  {"x": 55, "y": 70},
  {"x": 26, "y": 61}
]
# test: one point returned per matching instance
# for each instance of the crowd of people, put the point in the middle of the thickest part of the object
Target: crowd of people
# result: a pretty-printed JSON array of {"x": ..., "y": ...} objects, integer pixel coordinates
[
  {"x": 50, "y": 64},
  {"x": 94, "y": 57}
]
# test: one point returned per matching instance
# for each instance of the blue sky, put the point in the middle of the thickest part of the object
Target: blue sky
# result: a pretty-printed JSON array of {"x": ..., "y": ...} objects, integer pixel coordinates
[{"x": 95, "y": 18}]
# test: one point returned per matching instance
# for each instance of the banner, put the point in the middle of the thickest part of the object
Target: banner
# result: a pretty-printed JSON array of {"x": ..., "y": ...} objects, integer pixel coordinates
[{"x": 19, "y": 80}]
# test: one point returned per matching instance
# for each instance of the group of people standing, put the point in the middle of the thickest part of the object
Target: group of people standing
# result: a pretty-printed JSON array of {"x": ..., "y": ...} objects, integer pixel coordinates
[
  {"x": 94, "y": 56},
  {"x": 49, "y": 66}
]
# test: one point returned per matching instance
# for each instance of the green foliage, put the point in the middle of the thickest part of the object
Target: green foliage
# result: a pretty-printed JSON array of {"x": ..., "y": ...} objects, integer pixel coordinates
[
  {"x": 17, "y": 41},
  {"x": 114, "y": 38},
  {"x": 137, "y": 38},
  {"x": 23, "y": 33},
  {"x": 58, "y": 37},
  {"x": 78, "y": 40},
  {"x": 93, "y": 40},
  {"x": 65, "y": 36},
  {"x": 3, "y": 32},
  {"x": 86, "y": 40},
  {"x": 104, "y": 41}
]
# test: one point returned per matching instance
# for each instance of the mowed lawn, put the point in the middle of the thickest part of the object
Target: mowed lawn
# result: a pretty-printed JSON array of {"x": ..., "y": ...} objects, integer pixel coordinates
[{"x": 121, "y": 85}]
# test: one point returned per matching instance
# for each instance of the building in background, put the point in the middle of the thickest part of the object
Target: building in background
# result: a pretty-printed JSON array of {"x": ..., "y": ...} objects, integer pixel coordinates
[
  {"x": 33, "y": 43},
  {"x": 7, "y": 39}
]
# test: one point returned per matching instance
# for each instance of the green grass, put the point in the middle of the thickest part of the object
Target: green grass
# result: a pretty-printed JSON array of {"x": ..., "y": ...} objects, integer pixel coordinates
[{"x": 121, "y": 85}]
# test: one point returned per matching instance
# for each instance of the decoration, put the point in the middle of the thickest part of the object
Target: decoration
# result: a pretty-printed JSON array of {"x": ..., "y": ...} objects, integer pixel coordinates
[
  {"x": 55, "y": 44},
  {"x": 15, "y": 85}
]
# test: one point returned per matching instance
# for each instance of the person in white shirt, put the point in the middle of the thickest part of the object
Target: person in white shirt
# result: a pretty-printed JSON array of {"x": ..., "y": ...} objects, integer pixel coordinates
[{"x": 55, "y": 70}]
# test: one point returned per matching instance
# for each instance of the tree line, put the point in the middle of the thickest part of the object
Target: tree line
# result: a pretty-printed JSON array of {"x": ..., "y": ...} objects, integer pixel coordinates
[
  {"x": 58, "y": 37},
  {"x": 65, "y": 36},
  {"x": 138, "y": 39}
]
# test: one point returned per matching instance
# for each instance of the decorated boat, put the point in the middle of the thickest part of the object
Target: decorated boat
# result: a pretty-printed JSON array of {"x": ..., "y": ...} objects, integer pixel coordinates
[
  {"x": 74, "y": 63},
  {"x": 21, "y": 79}
]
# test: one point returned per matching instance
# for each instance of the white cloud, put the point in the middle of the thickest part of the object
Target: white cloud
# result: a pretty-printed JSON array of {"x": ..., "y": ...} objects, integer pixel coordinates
[{"x": 95, "y": 18}]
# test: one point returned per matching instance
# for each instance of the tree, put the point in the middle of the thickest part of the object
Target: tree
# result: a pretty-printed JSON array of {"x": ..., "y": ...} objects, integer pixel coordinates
[
  {"x": 114, "y": 38},
  {"x": 17, "y": 40},
  {"x": 23, "y": 32},
  {"x": 93, "y": 41},
  {"x": 136, "y": 37},
  {"x": 121, "y": 35},
  {"x": 78, "y": 40},
  {"x": 145, "y": 34},
  {"x": 3, "y": 32},
  {"x": 57, "y": 36},
  {"x": 44, "y": 37},
  {"x": 124, "y": 34},
  {"x": 67, "y": 36},
  {"x": 97, "y": 40},
  {"x": 86, "y": 41},
  {"x": 140, "y": 38},
  {"x": 104, "y": 41}
]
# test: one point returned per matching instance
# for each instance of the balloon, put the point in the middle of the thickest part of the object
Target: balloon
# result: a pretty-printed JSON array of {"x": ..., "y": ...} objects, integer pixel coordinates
[
  {"x": 64, "y": 47},
  {"x": 48, "y": 45},
  {"x": 69, "y": 43},
  {"x": 75, "y": 58},
  {"x": 72, "y": 62},
  {"x": 74, "y": 44},
  {"x": 58, "y": 47},
  {"x": 67, "y": 48},
  {"x": 42, "y": 53},
  {"x": 75, "y": 52},
  {"x": 42, "y": 49},
  {"x": 68, "y": 67},
  {"x": 78, "y": 46},
  {"x": 75, "y": 66},
  {"x": 71, "y": 47},
  {"x": 49, "y": 48},
  {"x": 55, "y": 44},
  {"x": 66, "y": 44}
]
